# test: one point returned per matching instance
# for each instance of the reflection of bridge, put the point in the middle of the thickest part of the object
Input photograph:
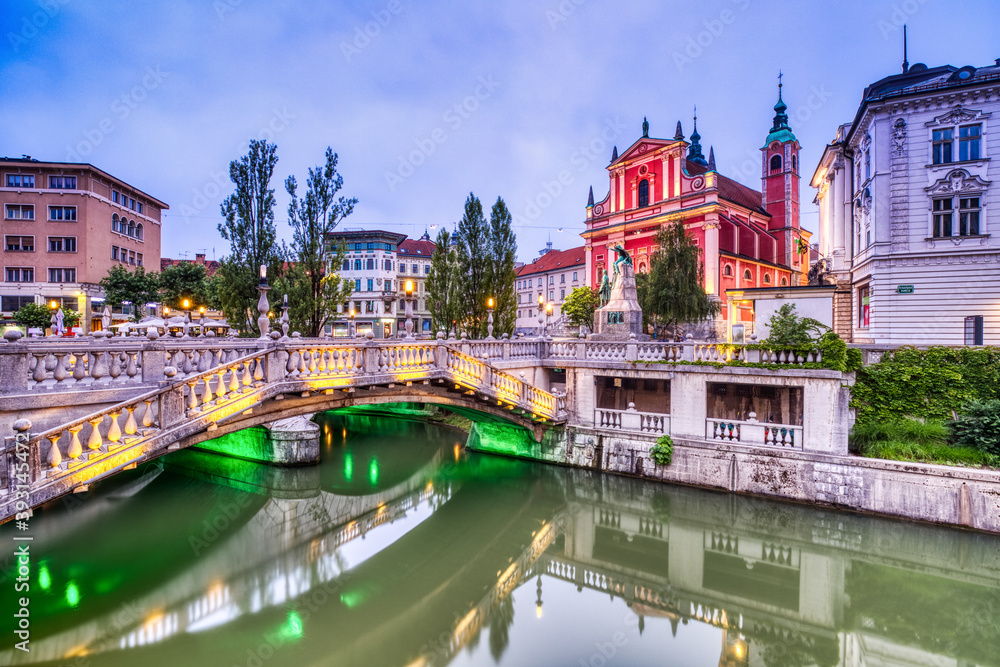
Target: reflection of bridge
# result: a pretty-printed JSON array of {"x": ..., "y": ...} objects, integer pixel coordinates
[{"x": 225, "y": 388}]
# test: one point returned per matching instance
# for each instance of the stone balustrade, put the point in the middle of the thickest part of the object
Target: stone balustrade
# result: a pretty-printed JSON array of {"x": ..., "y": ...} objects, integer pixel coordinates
[
  {"x": 754, "y": 433},
  {"x": 632, "y": 420}
]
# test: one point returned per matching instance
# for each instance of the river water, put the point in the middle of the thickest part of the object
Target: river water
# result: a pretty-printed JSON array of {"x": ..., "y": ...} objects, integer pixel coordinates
[{"x": 403, "y": 549}]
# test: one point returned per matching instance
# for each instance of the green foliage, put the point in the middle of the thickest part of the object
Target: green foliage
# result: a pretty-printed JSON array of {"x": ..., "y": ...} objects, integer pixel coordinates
[
  {"x": 183, "y": 281},
  {"x": 580, "y": 305},
  {"x": 473, "y": 250},
  {"x": 833, "y": 351},
  {"x": 501, "y": 274},
  {"x": 249, "y": 228},
  {"x": 674, "y": 293},
  {"x": 135, "y": 287},
  {"x": 864, "y": 435},
  {"x": 927, "y": 384},
  {"x": 71, "y": 318},
  {"x": 979, "y": 426},
  {"x": 787, "y": 328},
  {"x": 313, "y": 285},
  {"x": 854, "y": 360},
  {"x": 443, "y": 284},
  {"x": 896, "y": 450},
  {"x": 662, "y": 452},
  {"x": 922, "y": 441},
  {"x": 33, "y": 316}
]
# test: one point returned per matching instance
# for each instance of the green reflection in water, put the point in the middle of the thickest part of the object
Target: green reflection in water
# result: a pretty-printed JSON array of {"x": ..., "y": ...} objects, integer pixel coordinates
[
  {"x": 348, "y": 467},
  {"x": 44, "y": 578},
  {"x": 72, "y": 594},
  {"x": 292, "y": 628},
  {"x": 373, "y": 472}
]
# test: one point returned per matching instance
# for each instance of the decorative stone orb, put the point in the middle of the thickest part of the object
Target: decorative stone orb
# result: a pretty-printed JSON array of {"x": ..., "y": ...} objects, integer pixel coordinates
[
  {"x": 152, "y": 333},
  {"x": 440, "y": 335},
  {"x": 12, "y": 335},
  {"x": 169, "y": 371},
  {"x": 275, "y": 335},
  {"x": 370, "y": 335},
  {"x": 210, "y": 334},
  {"x": 296, "y": 334},
  {"x": 22, "y": 425}
]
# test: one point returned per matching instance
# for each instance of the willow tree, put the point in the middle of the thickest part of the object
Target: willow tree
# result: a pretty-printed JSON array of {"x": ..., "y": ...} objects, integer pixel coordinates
[
  {"x": 315, "y": 287},
  {"x": 249, "y": 228},
  {"x": 501, "y": 274},
  {"x": 673, "y": 293},
  {"x": 444, "y": 297}
]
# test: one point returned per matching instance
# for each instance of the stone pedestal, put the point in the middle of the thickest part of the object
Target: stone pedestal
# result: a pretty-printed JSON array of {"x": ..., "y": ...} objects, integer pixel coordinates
[
  {"x": 294, "y": 442},
  {"x": 621, "y": 315}
]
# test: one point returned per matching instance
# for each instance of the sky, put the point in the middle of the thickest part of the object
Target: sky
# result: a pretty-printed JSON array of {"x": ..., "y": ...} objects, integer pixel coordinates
[{"x": 425, "y": 101}]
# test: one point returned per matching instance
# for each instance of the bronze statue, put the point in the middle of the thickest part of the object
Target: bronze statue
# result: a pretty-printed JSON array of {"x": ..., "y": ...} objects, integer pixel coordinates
[
  {"x": 623, "y": 257},
  {"x": 604, "y": 291}
]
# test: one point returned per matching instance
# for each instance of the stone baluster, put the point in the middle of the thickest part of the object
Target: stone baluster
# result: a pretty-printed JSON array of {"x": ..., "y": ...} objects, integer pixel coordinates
[
  {"x": 60, "y": 373},
  {"x": 147, "y": 416},
  {"x": 192, "y": 395},
  {"x": 55, "y": 457},
  {"x": 204, "y": 360},
  {"x": 39, "y": 373},
  {"x": 258, "y": 367},
  {"x": 75, "y": 448},
  {"x": 79, "y": 366},
  {"x": 247, "y": 378},
  {"x": 116, "y": 365},
  {"x": 130, "y": 425},
  {"x": 221, "y": 389},
  {"x": 208, "y": 394},
  {"x": 99, "y": 368},
  {"x": 114, "y": 431},
  {"x": 234, "y": 381},
  {"x": 96, "y": 441},
  {"x": 188, "y": 365},
  {"x": 131, "y": 369}
]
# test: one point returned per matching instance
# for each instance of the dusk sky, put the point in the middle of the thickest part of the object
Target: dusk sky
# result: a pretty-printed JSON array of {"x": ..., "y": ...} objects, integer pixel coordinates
[{"x": 427, "y": 101}]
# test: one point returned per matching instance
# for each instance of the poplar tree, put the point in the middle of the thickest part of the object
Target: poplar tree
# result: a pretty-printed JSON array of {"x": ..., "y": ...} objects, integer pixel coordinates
[
  {"x": 315, "y": 288},
  {"x": 444, "y": 299},
  {"x": 473, "y": 253},
  {"x": 249, "y": 228},
  {"x": 501, "y": 273},
  {"x": 673, "y": 293}
]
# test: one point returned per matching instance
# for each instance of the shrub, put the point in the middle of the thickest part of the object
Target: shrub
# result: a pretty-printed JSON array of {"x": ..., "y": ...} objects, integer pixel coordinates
[
  {"x": 854, "y": 359},
  {"x": 662, "y": 452},
  {"x": 834, "y": 351},
  {"x": 33, "y": 316},
  {"x": 979, "y": 426},
  {"x": 788, "y": 329},
  {"x": 929, "y": 433}
]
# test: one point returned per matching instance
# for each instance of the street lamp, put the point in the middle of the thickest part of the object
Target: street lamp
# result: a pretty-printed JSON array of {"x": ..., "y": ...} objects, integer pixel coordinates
[
  {"x": 548, "y": 314},
  {"x": 186, "y": 304},
  {"x": 284, "y": 316},
  {"x": 201, "y": 320},
  {"x": 489, "y": 318},
  {"x": 262, "y": 306},
  {"x": 541, "y": 316},
  {"x": 350, "y": 325},
  {"x": 408, "y": 302},
  {"x": 52, "y": 319}
]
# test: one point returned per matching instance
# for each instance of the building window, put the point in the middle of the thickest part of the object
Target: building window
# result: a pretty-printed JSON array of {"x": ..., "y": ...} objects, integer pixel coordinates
[
  {"x": 529, "y": 283},
  {"x": 370, "y": 264},
  {"x": 357, "y": 265},
  {"x": 12, "y": 304},
  {"x": 868, "y": 165},
  {"x": 370, "y": 246},
  {"x": 727, "y": 270},
  {"x": 131, "y": 228},
  {"x": 358, "y": 246},
  {"x": 794, "y": 162},
  {"x": 62, "y": 275},
  {"x": 20, "y": 212},
  {"x": 387, "y": 265},
  {"x": 62, "y": 182},
  {"x": 371, "y": 285},
  {"x": 974, "y": 330},
  {"x": 346, "y": 266},
  {"x": 767, "y": 279},
  {"x": 427, "y": 269},
  {"x": 20, "y": 180},
  {"x": 562, "y": 278},
  {"x": 942, "y": 218},
  {"x": 114, "y": 252},
  {"x": 388, "y": 286},
  {"x": 64, "y": 213},
  {"x": 643, "y": 193},
  {"x": 775, "y": 163},
  {"x": 784, "y": 281},
  {"x": 138, "y": 207},
  {"x": 552, "y": 280},
  {"x": 574, "y": 276},
  {"x": 552, "y": 295},
  {"x": 868, "y": 237},
  {"x": 941, "y": 150},
  {"x": 20, "y": 274},
  {"x": 357, "y": 285},
  {"x": 131, "y": 203},
  {"x": 20, "y": 243},
  {"x": 115, "y": 197},
  {"x": 62, "y": 244},
  {"x": 968, "y": 142},
  {"x": 114, "y": 222},
  {"x": 864, "y": 307},
  {"x": 562, "y": 294},
  {"x": 138, "y": 259},
  {"x": 402, "y": 267},
  {"x": 747, "y": 275},
  {"x": 388, "y": 246},
  {"x": 968, "y": 216},
  {"x": 415, "y": 268},
  {"x": 138, "y": 231}
]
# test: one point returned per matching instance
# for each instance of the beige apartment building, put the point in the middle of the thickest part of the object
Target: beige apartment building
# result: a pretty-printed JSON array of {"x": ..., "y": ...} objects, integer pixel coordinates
[
  {"x": 413, "y": 262},
  {"x": 549, "y": 279},
  {"x": 64, "y": 226}
]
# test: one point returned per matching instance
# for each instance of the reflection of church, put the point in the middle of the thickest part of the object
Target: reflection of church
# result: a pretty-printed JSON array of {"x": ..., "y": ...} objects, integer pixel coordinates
[{"x": 748, "y": 239}]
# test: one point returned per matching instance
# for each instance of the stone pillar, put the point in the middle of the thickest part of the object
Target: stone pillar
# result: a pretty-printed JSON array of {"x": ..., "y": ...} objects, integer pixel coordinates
[
  {"x": 14, "y": 360},
  {"x": 711, "y": 228},
  {"x": 838, "y": 216},
  {"x": 154, "y": 360},
  {"x": 294, "y": 441},
  {"x": 825, "y": 220}
]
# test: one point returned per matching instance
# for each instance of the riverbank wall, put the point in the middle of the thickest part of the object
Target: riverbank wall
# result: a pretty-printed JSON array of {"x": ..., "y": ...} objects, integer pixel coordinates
[{"x": 949, "y": 495}]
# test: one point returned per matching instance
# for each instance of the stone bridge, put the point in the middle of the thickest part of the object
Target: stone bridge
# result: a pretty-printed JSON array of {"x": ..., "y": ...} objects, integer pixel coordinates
[{"x": 153, "y": 397}]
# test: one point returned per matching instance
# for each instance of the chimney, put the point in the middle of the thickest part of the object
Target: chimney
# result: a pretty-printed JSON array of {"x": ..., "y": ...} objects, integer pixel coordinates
[{"x": 199, "y": 258}]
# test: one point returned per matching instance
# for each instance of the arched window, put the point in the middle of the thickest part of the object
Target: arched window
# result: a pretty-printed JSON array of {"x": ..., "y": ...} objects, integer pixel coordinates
[
  {"x": 775, "y": 163},
  {"x": 114, "y": 222},
  {"x": 138, "y": 231},
  {"x": 793, "y": 163},
  {"x": 767, "y": 279},
  {"x": 131, "y": 227},
  {"x": 643, "y": 193},
  {"x": 370, "y": 265},
  {"x": 784, "y": 281},
  {"x": 727, "y": 270},
  {"x": 642, "y": 267},
  {"x": 747, "y": 275}
]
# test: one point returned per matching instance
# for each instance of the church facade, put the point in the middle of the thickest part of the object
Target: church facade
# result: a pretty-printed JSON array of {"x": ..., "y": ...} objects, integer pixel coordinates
[{"x": 748, "y": 238}]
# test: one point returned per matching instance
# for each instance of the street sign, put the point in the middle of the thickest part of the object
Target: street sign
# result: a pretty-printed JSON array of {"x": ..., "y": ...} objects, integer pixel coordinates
[{"x": 904, "y": 289}]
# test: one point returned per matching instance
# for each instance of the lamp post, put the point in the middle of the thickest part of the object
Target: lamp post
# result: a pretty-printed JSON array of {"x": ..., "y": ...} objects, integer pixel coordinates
[
  {"x": 52, "y": 319},
  {"x": 489, "y": 318},
  {"x": 187, "y": 317},
  {"x": 284, "y": 316},
  {"x": 350, "y": 325},
  {"x": 263, "y": 323},
  {"x": 201, "y": 321},
  {"x": 408, "y": 301},
  {"x": 548, "y": 314},
  {"x": 541, "y": 316}
]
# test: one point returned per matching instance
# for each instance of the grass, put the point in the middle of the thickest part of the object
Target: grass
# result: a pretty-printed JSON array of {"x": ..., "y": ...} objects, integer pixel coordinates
[{"x": 915, "y": 440}]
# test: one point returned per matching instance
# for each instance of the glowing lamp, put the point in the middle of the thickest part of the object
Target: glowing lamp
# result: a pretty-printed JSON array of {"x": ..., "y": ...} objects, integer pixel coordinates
[
  {"x": 186, "y": 304},
  {"x": 548, "y": 308},
  {"x": 541, "y": 300},
  {"x": 409, "y": 288},
  {"x": 489, "y": 302},
  {"x": 201, "y": 309},
  {"x": 52, "y": 305}
]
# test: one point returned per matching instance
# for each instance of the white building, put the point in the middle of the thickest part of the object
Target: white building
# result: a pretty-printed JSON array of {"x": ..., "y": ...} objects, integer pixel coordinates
[
  {"x": 549, "y": 280},
  {"x": 370, "y": 264},
  {"x": 909, "y": 204},
  {"x": 413, "y": 260}
]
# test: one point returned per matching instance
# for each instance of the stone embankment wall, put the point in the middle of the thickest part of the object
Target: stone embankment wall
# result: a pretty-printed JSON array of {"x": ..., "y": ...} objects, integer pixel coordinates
[{"x": 921, "y": 492}]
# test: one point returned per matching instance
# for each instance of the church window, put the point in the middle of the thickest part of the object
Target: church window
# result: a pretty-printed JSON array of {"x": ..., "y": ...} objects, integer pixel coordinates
[
  {"x": 767, "y": 279},
  {"x": 747, "y": 275},
  {"x": 775, "y": 163},
  {"x": 643, "y": 193},
  {"x": 793, "y": 163},
  {"x": 784, "y": 281},
  {"x": 727, "y": 270}
]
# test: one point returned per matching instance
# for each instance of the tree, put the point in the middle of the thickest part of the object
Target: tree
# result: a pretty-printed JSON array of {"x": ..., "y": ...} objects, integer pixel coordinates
[
  {"x": 674, "y": 294},
  {"x": 444, "y": 299},
  {"x": 501, "y": 274},
  {"x": 313, "y": 276},
  {"x": 473, "y": 253},
  {"x": 184, "y": 281},
  {"x": 579, "y": 306},
  {"x": 134, "y": 287},
  {"x": 787, "y": 328},
  {"x": 33, "y": 316},
  {"x": 249, "y": 228}
]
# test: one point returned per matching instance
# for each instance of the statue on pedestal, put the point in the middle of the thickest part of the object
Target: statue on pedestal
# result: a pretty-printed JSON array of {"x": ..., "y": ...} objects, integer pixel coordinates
[{"x": 619, "y": 315}]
